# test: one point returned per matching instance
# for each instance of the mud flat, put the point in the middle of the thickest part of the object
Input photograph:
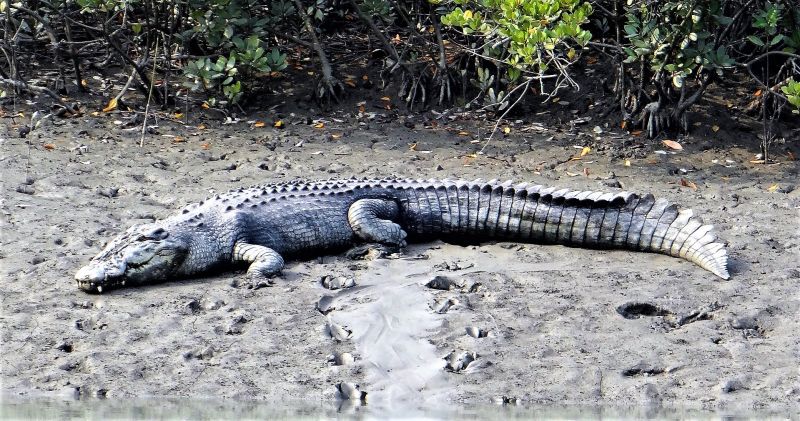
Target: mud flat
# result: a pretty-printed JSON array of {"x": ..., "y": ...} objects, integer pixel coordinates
[{"x": 500, "y": 323}]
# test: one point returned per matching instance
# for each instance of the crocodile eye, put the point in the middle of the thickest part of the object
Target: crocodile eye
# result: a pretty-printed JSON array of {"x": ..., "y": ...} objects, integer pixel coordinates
[{"x": 156, "y": 234}]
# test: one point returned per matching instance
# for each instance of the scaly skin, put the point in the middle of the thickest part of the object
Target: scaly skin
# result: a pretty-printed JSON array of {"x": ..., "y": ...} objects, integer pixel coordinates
[{"x": 261, "y": 224}]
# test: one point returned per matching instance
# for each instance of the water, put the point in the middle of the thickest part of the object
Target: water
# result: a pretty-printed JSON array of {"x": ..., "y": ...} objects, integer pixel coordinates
[{"x": 210, "y": 409}]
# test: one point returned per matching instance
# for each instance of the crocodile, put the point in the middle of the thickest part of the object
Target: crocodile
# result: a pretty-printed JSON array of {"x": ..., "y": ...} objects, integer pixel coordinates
[{"x": 260, "y": 225}]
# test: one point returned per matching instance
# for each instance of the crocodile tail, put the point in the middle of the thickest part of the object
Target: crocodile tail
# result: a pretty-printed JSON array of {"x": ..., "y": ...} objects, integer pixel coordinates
[
  {"x": 606, "y": 220},
  {"x": 644, "y": 223},
  {"x": 546, "y": 215}
]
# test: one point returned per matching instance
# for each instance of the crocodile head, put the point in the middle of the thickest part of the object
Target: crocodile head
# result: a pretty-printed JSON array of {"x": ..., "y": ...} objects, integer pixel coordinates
[{"x": 145, "y": 253}]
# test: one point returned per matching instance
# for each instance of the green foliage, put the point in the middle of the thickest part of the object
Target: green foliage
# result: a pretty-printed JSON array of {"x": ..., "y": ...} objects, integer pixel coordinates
[
  {"x": 523, "y": 34},
  {"x": 777, "y": 28},
  {"x": 231, "y": 28},
  {"x": 792, "y": 92},
  {"x": 677, "y": 37}
]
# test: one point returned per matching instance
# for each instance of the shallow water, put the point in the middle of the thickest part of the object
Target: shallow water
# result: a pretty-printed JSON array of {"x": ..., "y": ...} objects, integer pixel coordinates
[{"x": 211, "y": 409}]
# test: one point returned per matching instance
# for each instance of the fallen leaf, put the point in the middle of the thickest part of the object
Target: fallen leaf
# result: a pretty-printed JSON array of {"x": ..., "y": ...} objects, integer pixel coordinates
[
  {"x": 412, "y": 147},
  {"x": 688, "y": 183},
  {"x": 636, "y": 132},
  {"x": 792, "y": 156},
  {"x": 627, "y": 162},
  {"x": 672, "y": 144},
  {"x": 350, "y": 82},
  {"x": 178, "y": 139},
  {"x": 365, "y": 77},
  {"x": 757, "y": 161},
  {"x": 319, "y": 125},
  {"x": 572, "y": 174},
  {"x": 586, "y": 171},
  {"x": 205, "y": 145},
  {"x": 84, "y": 83},
  {"x": 178, "y": 115},
  {"x": 463, "y": 133},
  {"x": 112, "y": 105},
  {"x": 385, "y": 98},
  {"x": 335, "y": 136},
  {"x": 715, "y": 128},
  {"x": 585, "y": 151},
  {"x": 49, "y": 146},
  {"x": 205, "y": 105},
  {"x": 259, "y": 124},
  {"x": 623, "y": 124},
  {"x": 506, "y": 130},
  {"x": 757, "y": 93},
  {"x": 773, "y": 188},
  {"x": 278, "y": 124},
  {"x": 201, "y": 127}
]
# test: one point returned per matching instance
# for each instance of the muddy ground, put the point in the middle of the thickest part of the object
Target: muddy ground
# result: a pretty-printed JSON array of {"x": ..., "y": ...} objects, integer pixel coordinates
[{"x": 549, "y": 319}]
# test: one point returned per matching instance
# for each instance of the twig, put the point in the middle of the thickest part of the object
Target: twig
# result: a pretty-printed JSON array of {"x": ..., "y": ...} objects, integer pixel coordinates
[
  {"x": 149, "y": 94},
  {"x": 18, "y": 84},
  {"x": 502, "y": 117}
]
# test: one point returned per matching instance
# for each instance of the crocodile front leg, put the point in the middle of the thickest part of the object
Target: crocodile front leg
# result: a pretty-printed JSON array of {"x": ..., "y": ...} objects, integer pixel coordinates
[
  {"x": 264, "y": 261},
  {"x": 371, "y": 220}
]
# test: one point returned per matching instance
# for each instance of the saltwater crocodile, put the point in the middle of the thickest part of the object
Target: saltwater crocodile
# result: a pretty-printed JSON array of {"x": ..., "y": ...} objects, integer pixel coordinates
[{"x": 262, "y": 224}]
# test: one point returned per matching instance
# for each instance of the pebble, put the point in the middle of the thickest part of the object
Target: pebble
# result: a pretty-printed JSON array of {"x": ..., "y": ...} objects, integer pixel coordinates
[
  {"x": 350, "y": 391},
  {"x": 731, "y": 385},
  {"x": 337, "y": 282},
  {"x": 476, "y": 332},
  {"x": 26, "y": 189},
  {"x": 745, "y": 322},
  {"x": 325, "y": 304},
  {"x": 341, "y": 358},
  {"x": 459, "y": 361},
  {"x": 447, "y": 305},
  {"x": 108, "y": 191},
  {"x": 443, "y": 283},
  {"x": 338, "y": 332}
]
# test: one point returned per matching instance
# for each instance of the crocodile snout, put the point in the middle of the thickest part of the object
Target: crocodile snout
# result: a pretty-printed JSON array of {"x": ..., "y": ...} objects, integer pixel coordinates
[{"x": 96, "y": 275}]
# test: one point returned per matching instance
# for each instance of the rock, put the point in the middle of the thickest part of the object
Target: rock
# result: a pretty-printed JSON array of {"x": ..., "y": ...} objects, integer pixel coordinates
[
  {"x": 476, "y": 332},
  {"x": 337, "y": 282},
  {"x": 341, "y": 358},
  {"x": 744, "y": 322},
  {"x": 350, "y": 391},
  {"x": 237, "y": 326},
  {"x": 108, "y": 191},
  {"x": 325, "y": 304},
  {"x": 25, "y": 189},
  {"x": 338, "y": 332},
  {"x": 731, "y": 385},
  {"x": 444, "y": 283},
  {"x": 457, "y": 361}
]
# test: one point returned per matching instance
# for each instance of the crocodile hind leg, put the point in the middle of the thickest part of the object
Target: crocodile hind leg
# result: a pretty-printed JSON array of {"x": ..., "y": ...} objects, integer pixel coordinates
[
  {"x": 264, "y": 262},
  {"x": 371, "y": 220}
]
